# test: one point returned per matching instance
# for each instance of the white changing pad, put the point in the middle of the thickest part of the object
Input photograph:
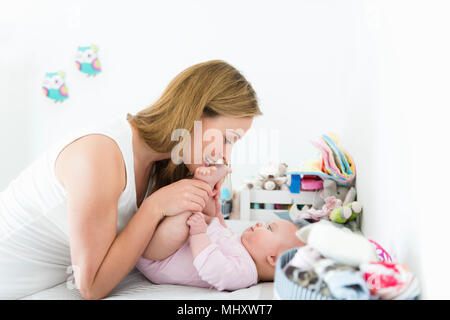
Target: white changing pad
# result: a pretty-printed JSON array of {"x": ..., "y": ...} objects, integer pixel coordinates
[{"x": 136, "y": 286}]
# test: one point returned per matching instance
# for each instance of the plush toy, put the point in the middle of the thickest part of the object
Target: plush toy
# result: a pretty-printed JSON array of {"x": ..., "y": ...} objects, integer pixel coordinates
[
  {"x": 270, "y": 177},
  {"x": 329, "y": 189},
  {"x": 312, "y": 214},
  {"x": 349, "y": 210},
  {"x": 338, "y": 205},
  {"x": 346, "y": 212},
  {"x": 323, "y": 203}
]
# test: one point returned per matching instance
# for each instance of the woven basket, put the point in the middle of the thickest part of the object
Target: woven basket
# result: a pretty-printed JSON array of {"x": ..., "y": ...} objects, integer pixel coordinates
[{"x": 286, "y": 289}]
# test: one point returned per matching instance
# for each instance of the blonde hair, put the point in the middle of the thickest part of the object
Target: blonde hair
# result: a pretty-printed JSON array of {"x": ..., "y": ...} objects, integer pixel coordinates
[{"x": 207, "y": 89}]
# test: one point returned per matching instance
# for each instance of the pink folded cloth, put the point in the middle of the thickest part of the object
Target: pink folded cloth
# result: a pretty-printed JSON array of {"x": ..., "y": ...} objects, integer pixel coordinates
[
  {"x": 304, "y": 258},
  {"x": 390, "y": 281},
  {"x": 311, "y": 184}
]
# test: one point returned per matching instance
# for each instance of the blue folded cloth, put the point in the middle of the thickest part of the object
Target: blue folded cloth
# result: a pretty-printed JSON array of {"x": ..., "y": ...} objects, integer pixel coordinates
[
  {"x": 346, "y": 284},
  {"x": 343, "y": 282}
]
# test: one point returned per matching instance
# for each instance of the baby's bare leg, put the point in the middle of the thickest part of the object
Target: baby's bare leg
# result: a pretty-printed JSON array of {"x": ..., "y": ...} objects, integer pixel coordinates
[{"x": 169, "y": 236}]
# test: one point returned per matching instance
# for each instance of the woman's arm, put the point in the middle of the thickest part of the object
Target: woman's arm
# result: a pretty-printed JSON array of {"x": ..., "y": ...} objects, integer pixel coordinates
[{"x": 93, "y": 175}]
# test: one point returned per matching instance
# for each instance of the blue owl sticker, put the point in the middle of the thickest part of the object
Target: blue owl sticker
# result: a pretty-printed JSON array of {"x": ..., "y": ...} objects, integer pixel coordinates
[
  {"x": 54, "y": 86},
  {"x": 87, "y": 60}
]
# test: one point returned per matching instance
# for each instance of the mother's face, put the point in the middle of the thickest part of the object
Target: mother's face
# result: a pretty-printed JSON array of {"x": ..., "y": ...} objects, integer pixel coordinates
[{"x": 213, "y": 138}]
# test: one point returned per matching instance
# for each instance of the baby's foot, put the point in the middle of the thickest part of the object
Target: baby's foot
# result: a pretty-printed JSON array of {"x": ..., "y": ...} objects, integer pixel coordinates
[
  {"x": 203, "y": 172},
  {"x": 211, "y": 174}
]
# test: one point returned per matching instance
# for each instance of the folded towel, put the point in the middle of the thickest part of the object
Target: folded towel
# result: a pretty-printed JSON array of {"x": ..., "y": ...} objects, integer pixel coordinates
[
  {"x": 304, "y": 258},
  {"x": 330, "y": 279},
  {"x": 339, "y": 244},
  {"x": 334, "y": 163},
  {"x": 343, "y": 282},
  {"x": 390, "y": 281}
]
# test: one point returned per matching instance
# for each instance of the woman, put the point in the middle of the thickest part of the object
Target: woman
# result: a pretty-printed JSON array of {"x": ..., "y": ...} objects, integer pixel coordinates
[{"x": 91, "y": 203}]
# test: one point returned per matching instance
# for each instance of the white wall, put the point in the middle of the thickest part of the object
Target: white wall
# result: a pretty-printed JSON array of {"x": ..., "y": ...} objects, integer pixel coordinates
[
  {"x": 374, "y": 72},
  {"x": 300, "y": 57},
  {"x": 402, "y": 178}
]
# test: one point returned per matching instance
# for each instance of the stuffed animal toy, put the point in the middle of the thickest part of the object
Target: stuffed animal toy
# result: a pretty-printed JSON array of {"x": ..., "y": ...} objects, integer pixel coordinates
[
  {"x": 312, "y": 214},
  {"x": 270, "y": 177},
  {"x": 349, "y": 210},
  {"x": 345, "y": 213},
  {"x": 329, "y": 189},
  {"x": 338, "y": 205},
  {"x": 324, "y": 202}
]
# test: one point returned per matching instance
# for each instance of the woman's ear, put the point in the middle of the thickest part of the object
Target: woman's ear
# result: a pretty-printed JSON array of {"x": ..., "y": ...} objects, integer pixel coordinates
[{"x": 271, "y": 260}]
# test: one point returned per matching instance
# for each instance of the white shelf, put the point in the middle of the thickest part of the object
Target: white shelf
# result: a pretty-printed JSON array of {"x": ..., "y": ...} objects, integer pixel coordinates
[{"x": 271, "y": 197}]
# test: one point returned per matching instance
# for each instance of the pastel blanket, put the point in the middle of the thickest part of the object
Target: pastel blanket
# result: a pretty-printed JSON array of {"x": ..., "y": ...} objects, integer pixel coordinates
[{"x": 333, "y": 163}]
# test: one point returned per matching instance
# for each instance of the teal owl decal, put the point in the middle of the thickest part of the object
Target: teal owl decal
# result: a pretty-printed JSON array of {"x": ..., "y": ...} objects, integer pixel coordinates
[
  {"x": 87, "y": 60},
  {"x": 54, "y": 86}
]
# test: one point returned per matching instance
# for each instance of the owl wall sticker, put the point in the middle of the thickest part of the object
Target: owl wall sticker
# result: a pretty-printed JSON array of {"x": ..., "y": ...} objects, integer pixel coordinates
[
  {"x": 54, "y": 86},
  {"x": 87, "y": 60}
]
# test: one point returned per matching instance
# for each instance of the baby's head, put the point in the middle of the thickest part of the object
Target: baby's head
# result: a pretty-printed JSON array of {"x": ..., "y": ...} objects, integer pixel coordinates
[{"x": 266, "y": 241}]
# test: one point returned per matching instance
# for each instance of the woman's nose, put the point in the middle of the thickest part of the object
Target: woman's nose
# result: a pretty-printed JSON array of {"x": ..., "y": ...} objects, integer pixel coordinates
[{"x": 258, "y": 224}]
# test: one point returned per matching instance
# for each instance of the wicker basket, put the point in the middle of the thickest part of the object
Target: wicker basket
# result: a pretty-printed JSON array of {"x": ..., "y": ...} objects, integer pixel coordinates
[{"x": 286, "y": 289}]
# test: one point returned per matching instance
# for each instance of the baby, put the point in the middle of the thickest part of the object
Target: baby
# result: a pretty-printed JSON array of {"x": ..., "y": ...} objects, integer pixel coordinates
[{"x": 213, "y": 256}]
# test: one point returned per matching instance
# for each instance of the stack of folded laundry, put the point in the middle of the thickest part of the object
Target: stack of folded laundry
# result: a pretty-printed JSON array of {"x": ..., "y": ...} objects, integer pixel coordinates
[
  {"x": 340, "y": 264},
  {"x": 333, "y": 163}
]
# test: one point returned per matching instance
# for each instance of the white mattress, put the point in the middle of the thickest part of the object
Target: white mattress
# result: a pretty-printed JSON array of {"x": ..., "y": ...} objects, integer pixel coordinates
[{"x": 136, "y": 286}]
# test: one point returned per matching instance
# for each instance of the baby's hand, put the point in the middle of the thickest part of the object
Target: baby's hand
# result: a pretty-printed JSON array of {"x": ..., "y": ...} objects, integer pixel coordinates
[{"x": 197, "y": 223}]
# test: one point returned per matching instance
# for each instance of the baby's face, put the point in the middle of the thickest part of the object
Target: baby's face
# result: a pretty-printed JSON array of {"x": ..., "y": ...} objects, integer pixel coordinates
[{"x": 272, "y": 238}]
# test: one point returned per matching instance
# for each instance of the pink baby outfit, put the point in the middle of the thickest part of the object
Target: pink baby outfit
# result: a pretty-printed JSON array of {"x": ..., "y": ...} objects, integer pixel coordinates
[{"x": 225, "y": 264}]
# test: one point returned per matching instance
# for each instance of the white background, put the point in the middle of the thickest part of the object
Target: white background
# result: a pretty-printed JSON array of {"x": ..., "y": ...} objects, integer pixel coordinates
[{"x": 375, "y": 72}]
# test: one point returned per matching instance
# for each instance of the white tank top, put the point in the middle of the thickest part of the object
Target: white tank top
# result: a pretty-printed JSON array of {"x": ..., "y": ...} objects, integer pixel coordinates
[{"x": 34, "y": 230}]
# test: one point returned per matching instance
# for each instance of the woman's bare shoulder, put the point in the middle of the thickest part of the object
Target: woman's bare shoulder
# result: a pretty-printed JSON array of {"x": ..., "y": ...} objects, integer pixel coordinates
[{"x": 91, "y": 156}]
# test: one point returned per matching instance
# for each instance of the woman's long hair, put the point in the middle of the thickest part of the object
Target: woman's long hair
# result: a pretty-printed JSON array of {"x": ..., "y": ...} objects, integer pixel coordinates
[{"x": 208, "y": 89}]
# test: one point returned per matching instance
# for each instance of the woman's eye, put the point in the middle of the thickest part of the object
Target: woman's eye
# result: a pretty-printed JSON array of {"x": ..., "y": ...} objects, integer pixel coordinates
[
  {"x": 227, "y": 141},
  {"x": 269, "y": 227}
]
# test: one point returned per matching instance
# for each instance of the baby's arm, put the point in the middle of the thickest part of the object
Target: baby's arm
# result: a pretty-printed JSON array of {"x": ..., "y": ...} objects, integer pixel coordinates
[
  {"x": 198, "y": 226},
  {"x": 197, "y": 230}
]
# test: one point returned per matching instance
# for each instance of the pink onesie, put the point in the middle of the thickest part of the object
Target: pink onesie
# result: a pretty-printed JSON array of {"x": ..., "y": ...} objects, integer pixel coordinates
[{"x": 225, "y": 264}]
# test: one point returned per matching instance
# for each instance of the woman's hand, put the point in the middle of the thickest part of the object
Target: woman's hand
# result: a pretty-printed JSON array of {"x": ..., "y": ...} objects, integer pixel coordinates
[{"x": 181, "y": 196}]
